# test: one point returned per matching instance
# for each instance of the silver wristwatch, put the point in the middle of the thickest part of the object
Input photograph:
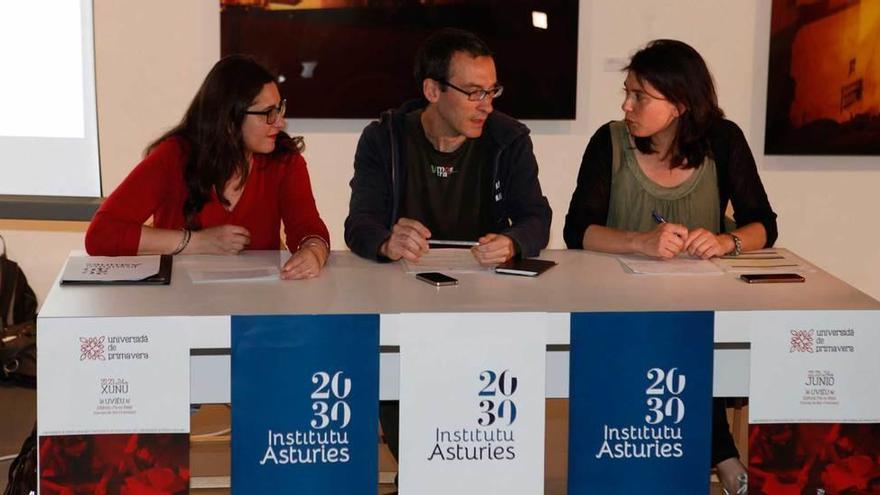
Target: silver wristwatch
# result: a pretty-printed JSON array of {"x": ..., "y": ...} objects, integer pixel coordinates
[{"x": 737, "y": 245}]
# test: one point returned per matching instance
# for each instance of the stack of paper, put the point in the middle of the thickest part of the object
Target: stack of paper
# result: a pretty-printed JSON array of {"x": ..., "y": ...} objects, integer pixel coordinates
[
  {"x": 446, "y": 261},
  {"x": 764, "y": 261},
  {"x": 213, "y": 269},
  {"x": 682, "y": 265}
]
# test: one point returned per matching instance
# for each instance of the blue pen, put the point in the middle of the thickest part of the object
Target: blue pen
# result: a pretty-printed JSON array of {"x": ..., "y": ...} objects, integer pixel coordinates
[
  {"x": 660, "y": 219},
  {"x": 657, "y": 217}
]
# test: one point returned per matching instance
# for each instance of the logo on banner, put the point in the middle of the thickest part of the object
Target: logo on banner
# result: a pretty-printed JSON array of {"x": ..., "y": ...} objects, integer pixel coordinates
[
  {"x": 113, "y": 348},
  {"x": 491, "y": 437},
  {"x": 326, "y": 441},
  {"x": 827, "y": 340},
  {"x": 658, "y": 436},
  {"x": 801, "y": 341},
  {"x": 91, "y": 348}
]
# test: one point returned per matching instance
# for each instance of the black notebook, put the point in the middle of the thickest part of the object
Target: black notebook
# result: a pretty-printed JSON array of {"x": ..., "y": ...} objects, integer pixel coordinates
[
  {"x": 525, "y": 267},
  {"x": 162, "y": 277}
]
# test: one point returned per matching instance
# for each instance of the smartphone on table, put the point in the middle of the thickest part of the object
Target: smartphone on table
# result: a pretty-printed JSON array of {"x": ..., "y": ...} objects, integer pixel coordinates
[
  {"x": 436, "y": 279},
  {"x": 771, "y": 278}
]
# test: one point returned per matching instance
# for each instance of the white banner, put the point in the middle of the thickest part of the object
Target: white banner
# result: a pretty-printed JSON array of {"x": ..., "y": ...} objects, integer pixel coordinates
[
  {"x": 113, "y": 375},
  {"x": 472, "y": 403},
  {"x": 815, "y": 367}
]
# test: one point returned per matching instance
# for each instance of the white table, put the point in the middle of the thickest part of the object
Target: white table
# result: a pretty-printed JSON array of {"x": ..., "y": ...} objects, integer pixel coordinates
[{"x": 583, "y": 282}]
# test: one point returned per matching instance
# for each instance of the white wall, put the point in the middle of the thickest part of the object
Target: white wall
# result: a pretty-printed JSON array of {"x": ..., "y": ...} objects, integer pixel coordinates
[{"x": 151, "y": 56}]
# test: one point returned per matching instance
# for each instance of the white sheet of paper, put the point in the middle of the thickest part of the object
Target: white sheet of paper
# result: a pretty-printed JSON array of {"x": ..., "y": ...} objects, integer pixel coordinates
[
  {"x": 213, "y": 269},
  {"x": 110, "y": 268},
  {"x": 446, "y": 261},
  {"x": 224, "y": 275},
  {"x": 682, "y": 265}
]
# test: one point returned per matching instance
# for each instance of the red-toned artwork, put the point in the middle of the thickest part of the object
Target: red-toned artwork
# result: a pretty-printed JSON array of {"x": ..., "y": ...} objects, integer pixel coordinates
[
  {"x": 326, "y": 4},
  {"x": 814, "y": 459},
  {"x": 823, "y": 89},
  {"x": 123, "y": 464},
  {"x": 354, "y": 58}
]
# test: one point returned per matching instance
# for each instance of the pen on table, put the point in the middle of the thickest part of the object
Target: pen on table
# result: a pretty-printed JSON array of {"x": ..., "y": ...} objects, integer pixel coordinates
[{"x": 441, "y": 242}]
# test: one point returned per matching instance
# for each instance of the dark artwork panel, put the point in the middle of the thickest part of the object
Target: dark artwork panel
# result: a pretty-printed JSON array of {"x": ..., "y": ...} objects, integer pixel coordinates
[
  {"x": 354, "y": 58},
  {"x": 823, "y": 88},
  {"x": 115, "y": 464},
  {"x": 813, "y": 458}
]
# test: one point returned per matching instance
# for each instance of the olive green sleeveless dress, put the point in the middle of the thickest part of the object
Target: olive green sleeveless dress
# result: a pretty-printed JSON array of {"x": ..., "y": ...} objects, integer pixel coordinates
[{"x": 693, "y": 203}]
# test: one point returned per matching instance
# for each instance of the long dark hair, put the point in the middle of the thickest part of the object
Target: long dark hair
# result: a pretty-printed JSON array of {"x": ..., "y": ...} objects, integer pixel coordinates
[
  {"x": 680, "y": 74},
  {"x": 211, "y": 127}
]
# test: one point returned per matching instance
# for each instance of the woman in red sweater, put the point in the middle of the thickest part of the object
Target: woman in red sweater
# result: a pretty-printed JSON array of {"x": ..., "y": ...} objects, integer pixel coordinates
[{"x": 220, "y": 182}]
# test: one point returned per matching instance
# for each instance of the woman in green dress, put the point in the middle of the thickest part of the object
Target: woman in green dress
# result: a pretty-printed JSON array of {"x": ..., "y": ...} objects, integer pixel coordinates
[{"x": 660, "y": 183}]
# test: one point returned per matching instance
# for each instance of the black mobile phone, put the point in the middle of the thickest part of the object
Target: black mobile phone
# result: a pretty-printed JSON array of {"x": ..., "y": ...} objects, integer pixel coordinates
[
  {"x": 436, "y": 279},
  {"x": 771, "y": 278}
]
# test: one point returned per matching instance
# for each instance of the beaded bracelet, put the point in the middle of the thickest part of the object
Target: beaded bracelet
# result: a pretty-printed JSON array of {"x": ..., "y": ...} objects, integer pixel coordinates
[{"x": 184, "y": 242}]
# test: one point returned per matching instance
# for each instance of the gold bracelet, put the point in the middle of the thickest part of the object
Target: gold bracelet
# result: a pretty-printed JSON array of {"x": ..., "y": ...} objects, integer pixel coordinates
[{"x": 317, "y": 242}]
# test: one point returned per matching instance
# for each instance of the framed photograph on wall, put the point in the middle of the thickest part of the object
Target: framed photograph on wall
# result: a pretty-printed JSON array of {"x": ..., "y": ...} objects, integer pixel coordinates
[
  {"x": 823, "y": 88},
  {"x": 354, "y": 58}
]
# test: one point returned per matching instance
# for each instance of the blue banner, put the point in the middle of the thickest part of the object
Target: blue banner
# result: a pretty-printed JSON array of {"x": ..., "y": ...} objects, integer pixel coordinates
[
  {"x": 305, "y": 395},
  {"x": 640, "y": 403}
]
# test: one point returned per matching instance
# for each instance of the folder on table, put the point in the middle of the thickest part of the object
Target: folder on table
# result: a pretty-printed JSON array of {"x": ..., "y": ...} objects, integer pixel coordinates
[
  {"x": 117, "y": 270},
  {"x": 525, "y": 267}
]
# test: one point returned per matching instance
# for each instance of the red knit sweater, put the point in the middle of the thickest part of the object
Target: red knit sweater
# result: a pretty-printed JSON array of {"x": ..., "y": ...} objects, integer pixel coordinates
[{"x": 277, "y": 189}]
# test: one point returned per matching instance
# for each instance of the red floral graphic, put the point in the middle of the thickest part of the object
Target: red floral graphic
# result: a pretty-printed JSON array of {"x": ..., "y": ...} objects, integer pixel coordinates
[
  {"x": 801, "y": 459},
  {"x": 127, "y": 464},
  {"x": 91, "y": 348},
  {"x": 801, "y": 341}
]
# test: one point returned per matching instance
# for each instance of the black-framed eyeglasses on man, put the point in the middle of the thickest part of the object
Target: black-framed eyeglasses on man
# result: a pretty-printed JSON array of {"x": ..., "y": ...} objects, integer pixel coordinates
[
  {"x": 477, "y": 94},
  {"x": 272, "y": 114}
]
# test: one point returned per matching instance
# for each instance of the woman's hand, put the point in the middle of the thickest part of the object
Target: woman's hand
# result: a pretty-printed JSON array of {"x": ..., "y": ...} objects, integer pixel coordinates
[
  {"x": 703, "y": 244},
  {"x": 223, "y": 239},
  {"x": 665, "y": 241},
  {"x": 306, "y": 262}
]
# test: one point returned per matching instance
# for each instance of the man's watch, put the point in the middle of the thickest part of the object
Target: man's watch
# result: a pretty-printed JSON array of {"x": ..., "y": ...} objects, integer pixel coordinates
[{"x": 737, "y": 245}]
